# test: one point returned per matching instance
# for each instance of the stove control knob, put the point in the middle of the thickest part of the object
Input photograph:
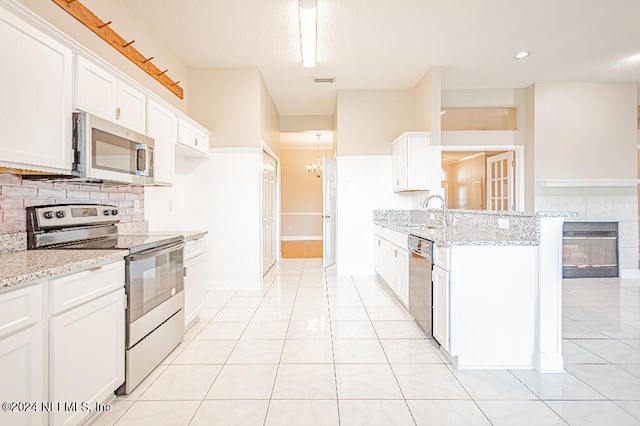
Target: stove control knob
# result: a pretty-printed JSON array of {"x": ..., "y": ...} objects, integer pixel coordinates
[
  {"x": 114, "y": 212},
  {"x": 107, "y": 212},
  {"x": 48, "y": 214},
  {"x": 60, "y": 214}
]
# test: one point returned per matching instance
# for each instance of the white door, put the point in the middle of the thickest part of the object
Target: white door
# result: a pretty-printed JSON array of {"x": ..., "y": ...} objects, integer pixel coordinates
[
  {"x": 269, "y": 198},
  {"x": 500, "y": 187},
  {"x": 329, "y": 211}
]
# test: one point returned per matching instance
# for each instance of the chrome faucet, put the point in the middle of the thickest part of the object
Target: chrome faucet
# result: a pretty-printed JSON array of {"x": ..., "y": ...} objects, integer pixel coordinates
[{"x": 425, "y": 204}]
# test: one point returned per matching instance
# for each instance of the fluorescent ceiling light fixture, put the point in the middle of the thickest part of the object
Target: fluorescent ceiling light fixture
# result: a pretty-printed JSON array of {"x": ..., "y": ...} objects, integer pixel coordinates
[
  {"x": 308, "y": 26},
  {"x": 522, "y": 54}
]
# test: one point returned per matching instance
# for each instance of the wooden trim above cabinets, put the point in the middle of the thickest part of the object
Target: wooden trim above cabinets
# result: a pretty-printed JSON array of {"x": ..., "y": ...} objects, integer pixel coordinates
[{"x": 104, "y": 31}]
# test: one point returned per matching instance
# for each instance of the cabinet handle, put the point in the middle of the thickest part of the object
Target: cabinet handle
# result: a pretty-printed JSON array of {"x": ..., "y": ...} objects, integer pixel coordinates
[
  {"x": 378, "y": 242},
  {"x": 196, "y": 141},
  {"x": 118, "y": 113},
  {"x": 396, "y": 255},
  {"x": 185, "y": 271}
]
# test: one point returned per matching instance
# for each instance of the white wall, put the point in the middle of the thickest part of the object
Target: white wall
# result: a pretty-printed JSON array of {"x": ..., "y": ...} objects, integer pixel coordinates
[
  {"x": 427, "y": 104},
  {"x": 364, "y": 185}
]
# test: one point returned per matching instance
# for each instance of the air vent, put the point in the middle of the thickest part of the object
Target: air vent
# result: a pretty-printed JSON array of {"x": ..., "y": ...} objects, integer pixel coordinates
[{"x": 319, "y": 80}]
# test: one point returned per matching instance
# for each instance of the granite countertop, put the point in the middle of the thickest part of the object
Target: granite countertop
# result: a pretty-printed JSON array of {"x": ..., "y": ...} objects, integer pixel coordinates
[
  {"x": 188, "y": 235},
  {"x": 452, "y": 236},
  {"x": 24, "y": 266}
]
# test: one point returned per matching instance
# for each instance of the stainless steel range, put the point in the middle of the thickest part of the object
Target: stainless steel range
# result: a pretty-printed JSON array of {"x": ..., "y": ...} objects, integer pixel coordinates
[{"x": 154, "y": 277}]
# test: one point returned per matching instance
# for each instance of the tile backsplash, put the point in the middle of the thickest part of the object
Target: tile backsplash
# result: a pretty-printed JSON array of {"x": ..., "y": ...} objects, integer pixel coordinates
[{"x": 17, "y": 193}]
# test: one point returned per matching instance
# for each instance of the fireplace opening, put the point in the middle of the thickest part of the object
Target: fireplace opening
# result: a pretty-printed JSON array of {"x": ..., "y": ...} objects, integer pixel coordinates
[{"x": 590, "y": 250}]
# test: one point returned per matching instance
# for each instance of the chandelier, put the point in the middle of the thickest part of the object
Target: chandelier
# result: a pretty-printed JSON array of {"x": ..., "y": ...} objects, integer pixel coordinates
[{"x": 316, "y": 168}]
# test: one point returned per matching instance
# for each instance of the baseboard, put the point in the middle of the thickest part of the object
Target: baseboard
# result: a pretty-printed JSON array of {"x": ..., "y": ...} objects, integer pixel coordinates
[
  {"x": 549, "y": 362},
  {"x": 630, "y": 273},
  {"x": 302, "y": 238},
  {"x": 233, "y": 285}
]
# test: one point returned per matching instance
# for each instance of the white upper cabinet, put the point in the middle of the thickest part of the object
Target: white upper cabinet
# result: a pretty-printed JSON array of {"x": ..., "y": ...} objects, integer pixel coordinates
[
  {"x": 193, "y": 141},
  {"x": 162, "y": 126},
  {"x": 415, "y": 164},
  {"x": 35, "y": 104},
  {"x": 101, "y": 93}
]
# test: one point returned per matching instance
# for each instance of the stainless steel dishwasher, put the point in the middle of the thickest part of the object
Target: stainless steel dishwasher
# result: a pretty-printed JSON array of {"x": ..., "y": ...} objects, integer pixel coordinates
[{"x": 420, "y": 285}]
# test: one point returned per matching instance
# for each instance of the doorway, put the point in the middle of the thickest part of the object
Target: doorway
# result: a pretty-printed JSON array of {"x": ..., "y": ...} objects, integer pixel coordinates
[
  {"x": 481, "y": 179},
  {"x": 269, "y": 209},
  {"x": 302, "y": 217}
]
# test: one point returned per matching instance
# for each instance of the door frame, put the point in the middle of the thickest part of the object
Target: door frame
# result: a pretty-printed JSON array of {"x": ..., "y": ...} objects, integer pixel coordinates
[
  {"x": 278, "y": 252},
  {"x": 519, "y": 172}
]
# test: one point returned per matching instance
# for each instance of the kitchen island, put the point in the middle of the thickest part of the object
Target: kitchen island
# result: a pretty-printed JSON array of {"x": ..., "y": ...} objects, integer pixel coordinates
[{"x": 497, "y": 279}]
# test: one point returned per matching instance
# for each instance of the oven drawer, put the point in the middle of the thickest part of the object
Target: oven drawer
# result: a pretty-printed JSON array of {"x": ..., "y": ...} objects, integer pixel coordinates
[
  {"x": 20, "y": 308},
  {"x": 81, "y": 287},
  {"x": 193, "y": 248}
]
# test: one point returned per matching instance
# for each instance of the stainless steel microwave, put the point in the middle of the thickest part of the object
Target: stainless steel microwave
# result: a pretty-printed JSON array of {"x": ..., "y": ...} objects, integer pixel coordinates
[{"x": 105, "y": 151}]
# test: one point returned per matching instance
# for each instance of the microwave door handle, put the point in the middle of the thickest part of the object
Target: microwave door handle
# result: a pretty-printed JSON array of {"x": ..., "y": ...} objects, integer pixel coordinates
[
  {"x": 141, "y": 159},
  {"x": 155, "y": 252}
]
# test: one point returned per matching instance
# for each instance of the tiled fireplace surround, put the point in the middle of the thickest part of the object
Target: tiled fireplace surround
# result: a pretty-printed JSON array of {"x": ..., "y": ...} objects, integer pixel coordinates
[
  {"x": 17, "y": 193},
  {"x": 603, "y": 208}
]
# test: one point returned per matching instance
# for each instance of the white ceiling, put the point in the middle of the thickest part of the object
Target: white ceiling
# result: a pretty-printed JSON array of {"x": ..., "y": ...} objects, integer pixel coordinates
[{"x": 379, "y": 44}]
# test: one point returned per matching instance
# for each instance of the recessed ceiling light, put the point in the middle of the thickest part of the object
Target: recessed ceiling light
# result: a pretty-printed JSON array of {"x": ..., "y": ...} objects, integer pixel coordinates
[{"x": 522, "y": 54}]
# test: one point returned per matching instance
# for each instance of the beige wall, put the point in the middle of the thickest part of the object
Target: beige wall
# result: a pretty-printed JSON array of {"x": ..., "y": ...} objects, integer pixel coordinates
[
  {"x": 301, "y": 123},
  {"x": 369, "y": 120},
  {"x": 427, "y": 103},
  {"x": 585, "y": 131},
  {"x": 127, "y": 24},
  {"x": 301, "y": 193},
  {"x": 269, "y": 119},
  {"x": 460, "y": 177},
  {"x": 226, "y": 101}
]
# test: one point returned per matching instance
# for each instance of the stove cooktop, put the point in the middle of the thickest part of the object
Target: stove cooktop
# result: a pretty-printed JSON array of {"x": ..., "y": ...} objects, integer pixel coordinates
[{"x": 133, "y": 243}]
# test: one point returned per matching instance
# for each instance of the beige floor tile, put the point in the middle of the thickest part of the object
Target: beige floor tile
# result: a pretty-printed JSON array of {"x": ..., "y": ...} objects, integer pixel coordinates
[
  {"x": 366, "y": 381},
  {"x": 227, "y": 330},
  {"x": 305, "y": 381},
  {"x": 256, "y": 352},
  {"x": 375, "y": 413},
  {"x": 428, "y": 381},
  {"x": 182, "y": 382},
  {"x": 410, "y": 351},
  {"x": 315, "y": 328},
  {"x": 152, "y": 413},
  {"x": 352, "y": 330},
  {"x": 259, "y": 330},
  {"x": 521, "y": 413},
  {"x": 253, "y": 381},
  {"x": 302, "y": 413},
  {"x": 447, "y": 413},
  {"x": 358, "y": 351},
  {"x": 316, "y": 351},
  {"x": 237, "y": 413}
]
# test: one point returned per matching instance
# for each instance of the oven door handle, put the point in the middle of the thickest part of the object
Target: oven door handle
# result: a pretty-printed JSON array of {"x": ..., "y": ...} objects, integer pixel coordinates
[{"x": 155, "y": 252}]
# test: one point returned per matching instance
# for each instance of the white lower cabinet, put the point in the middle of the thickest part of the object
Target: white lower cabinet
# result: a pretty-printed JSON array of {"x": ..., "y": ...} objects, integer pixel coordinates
[
  {"x": 194, "y": 288},
  {"x": 62, "y": 346},
  {"x": 391, "y": 261},
  {"x": 440, "y": 295},
  {"x": 22, "y": 356},
  {"x": 86, "y": 355}
]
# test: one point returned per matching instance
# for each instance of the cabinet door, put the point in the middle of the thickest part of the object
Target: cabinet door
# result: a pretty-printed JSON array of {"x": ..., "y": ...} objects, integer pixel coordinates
[
  {"x": 202, "y": 141},
  {"x": 441, "y": 306},
  {"x": 86, "y": 354},
  {"x": 97, "y": 90},
  {"x": 403, "y": 276},
  {"x": 36, "y": 100},
  {"x": 194, "y": 290},
  {"x": 22, "y": 372},
  {"x": 186, "y": 133},
  {"x": 393, "y": 268},
  {"x": 381, "y": 257},
  {"x": 131, "y": 108},
  {"x": 162, "y": 126},
  {"x": 399, "y": 165}
]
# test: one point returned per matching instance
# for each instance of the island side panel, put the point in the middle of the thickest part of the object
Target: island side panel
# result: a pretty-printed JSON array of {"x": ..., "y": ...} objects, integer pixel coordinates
[{"x": 493, "y": 306}]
